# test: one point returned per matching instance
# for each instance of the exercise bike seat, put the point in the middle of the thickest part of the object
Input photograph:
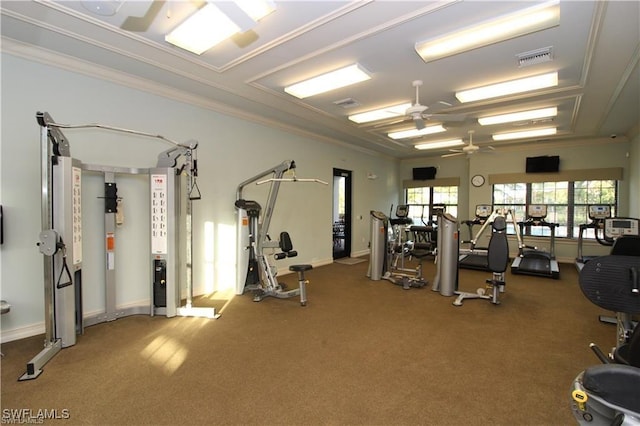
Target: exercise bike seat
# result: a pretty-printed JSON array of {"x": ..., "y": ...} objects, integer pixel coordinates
[{"x": 615, "y": 383}]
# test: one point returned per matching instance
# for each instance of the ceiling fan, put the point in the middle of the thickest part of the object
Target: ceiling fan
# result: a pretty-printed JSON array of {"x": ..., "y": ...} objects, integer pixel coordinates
[
  {"x": 469, "y": 149},
  {"x": 418, "y": 113}
]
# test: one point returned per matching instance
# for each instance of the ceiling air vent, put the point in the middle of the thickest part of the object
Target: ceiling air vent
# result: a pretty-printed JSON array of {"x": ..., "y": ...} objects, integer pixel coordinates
[
  {"x": 347, "y": 103},
  {"x": 534, "y": 57}
]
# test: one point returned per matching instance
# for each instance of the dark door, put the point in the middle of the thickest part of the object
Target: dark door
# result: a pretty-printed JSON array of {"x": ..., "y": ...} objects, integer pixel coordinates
[{"x": 341, "y": 213}]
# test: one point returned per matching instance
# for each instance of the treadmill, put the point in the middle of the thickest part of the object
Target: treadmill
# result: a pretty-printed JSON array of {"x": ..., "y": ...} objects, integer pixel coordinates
[
  {"x": 475, "y": 257},
  {"x": 531, "y": 260},
  {"x": 597, "y": 214}
]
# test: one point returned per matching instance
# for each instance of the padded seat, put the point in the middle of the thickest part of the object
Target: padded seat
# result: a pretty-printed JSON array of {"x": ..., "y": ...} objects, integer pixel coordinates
[
  {"x": 300, "y": 268},
  {"x": 615, "y": 383}
]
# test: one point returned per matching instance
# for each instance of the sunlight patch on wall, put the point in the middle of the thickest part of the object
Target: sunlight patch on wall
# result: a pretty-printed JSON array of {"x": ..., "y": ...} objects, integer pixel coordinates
[
  {"x": 209, "y": 250},
  {"x": 226, "y": 274},
  {"x": 165, "y": 353}
]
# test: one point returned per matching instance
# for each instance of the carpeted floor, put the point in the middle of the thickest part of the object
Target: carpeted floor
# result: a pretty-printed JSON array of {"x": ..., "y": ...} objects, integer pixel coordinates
[
  {"x": 361, "y": 352},
  {"x": 350, "y": 260}
]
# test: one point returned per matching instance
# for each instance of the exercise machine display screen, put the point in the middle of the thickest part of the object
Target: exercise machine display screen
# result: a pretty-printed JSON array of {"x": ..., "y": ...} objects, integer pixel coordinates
[
  {"x": 483, "y": 211},
  {"x": 537, "y": 211},
  {"x": 599, "y": 212},
  {"x": 617, "y": 227}
]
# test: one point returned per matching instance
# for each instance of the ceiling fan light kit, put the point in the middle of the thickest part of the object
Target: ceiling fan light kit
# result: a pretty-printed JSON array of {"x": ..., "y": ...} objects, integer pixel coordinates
[{"x": 526, "y": 21}]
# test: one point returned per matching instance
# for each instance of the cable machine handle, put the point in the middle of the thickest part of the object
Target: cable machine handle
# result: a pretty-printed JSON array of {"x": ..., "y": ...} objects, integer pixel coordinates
[{"x": 65, "y": 267}]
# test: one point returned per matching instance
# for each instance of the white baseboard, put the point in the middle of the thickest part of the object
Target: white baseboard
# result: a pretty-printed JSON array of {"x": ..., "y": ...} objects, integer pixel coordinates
[
  {"x": 361, "y": 253},
  {"x": 22, "y": 332}
]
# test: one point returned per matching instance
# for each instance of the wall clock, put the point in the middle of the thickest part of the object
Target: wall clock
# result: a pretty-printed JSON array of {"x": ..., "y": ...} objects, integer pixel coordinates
[{"x": 477, "y": 180}]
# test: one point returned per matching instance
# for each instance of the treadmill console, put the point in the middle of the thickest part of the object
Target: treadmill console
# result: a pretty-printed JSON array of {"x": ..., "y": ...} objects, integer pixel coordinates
[
  {"x": 599, "y": 212},
  {"x": 536, "y": 211},
  {"x": 483, "y": 211},
  {"x": 618, "y": 226}
]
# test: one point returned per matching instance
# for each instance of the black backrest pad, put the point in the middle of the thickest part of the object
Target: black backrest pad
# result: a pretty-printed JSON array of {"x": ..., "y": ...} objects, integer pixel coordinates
[
  {"x": 285, "y": 242},
  {"x": 608, "y": 282},
  {"x": 498, "y": 249}
]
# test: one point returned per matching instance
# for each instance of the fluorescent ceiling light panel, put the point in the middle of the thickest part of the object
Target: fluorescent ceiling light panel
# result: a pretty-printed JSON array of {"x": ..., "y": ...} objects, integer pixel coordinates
[
  {"x": 518, "y": 116},
  {"x": 380, "y": 114},
  {"x": 330, "y": 81},
  {"x": 256, "y": 9},
  {"x": 439, "y": 144},
  {"x": 509, "y": 87},
  {"x": 526, "y": 21},
  {"x": 411, "y": 133},
  {"x": 547, "y": 131},
  {"x": 202, "y": 30}
]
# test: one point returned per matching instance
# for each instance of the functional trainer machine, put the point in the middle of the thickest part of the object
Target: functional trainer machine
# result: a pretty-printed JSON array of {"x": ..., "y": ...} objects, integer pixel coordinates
[
  {"x": 531, "y": 260},
  {"x": 254, "y": 271},
  {"x": 597, "y": 215},
  {"x": 60, "y": 240}
]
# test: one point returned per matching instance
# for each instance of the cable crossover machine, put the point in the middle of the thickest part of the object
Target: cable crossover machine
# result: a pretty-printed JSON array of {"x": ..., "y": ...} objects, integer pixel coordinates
[
  {"x": 255, "y": 272},
  {"x": 60, "y": 240}
]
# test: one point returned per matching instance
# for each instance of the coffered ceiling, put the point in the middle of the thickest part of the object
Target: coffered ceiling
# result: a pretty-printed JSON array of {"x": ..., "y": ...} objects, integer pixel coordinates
[{"x": 595, "y": 49}]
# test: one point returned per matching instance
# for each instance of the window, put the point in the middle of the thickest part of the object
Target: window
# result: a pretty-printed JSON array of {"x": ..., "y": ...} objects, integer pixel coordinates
[
  {"x": 566, "y": 203},
  {"x": 422, "y": 200},
  {"x": 602, "y": 192}
]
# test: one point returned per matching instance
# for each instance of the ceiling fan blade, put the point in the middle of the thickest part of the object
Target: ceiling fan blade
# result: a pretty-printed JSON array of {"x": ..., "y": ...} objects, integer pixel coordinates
[
  {"x": 447, "y": 117},
  {"x": 452, "y": 155},
  {"x": 142, "y": 23}
]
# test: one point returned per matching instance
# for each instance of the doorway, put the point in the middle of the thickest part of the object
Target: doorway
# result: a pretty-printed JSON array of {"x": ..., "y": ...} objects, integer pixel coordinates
[{"x": 341, "y": 213}]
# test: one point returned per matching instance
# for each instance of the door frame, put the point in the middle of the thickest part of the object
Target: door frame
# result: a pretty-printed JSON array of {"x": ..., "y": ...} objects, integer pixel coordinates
[{"x": 347, "y": 174}]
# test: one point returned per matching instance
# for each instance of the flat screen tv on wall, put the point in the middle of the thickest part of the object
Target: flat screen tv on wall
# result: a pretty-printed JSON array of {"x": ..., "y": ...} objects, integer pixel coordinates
[
  {"x": 424, "y": 173},
  {"x": 543, "y": 164}
]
